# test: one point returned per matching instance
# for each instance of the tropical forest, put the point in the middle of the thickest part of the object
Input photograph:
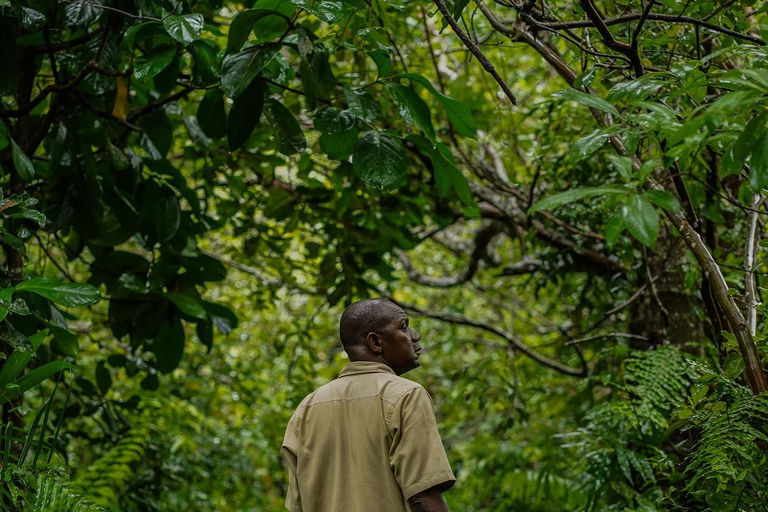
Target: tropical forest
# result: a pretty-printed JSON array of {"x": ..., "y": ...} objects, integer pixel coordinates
[{"x": 568, "y": 199}]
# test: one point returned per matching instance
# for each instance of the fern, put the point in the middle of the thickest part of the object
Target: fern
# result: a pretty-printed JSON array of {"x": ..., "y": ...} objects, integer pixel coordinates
[
  {"x": 623, "y": 436},
  {"x": 53, "y": 495},
  {"x": 108, "y": 478},
  {"x": 658, "y": 381},
  {"x": 729, "y": 468}
]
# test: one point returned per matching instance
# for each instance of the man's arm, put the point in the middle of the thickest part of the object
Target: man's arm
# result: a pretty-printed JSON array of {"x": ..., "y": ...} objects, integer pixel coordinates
[{"x": 430, "y": 500}]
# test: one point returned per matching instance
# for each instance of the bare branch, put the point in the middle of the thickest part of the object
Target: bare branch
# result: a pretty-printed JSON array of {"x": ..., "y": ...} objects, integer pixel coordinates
[
  {"x": 750, "y": 247},
  {"x": 479, "y": 55},
  {"x": 514, "y": 342}
]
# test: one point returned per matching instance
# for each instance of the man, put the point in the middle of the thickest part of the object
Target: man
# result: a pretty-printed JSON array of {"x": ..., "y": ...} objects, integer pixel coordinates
[{"x": 368, "y": 441}]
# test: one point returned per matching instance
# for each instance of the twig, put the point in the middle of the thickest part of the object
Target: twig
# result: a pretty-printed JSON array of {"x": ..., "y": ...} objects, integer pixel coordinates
[{"x": 479, "y": 55}]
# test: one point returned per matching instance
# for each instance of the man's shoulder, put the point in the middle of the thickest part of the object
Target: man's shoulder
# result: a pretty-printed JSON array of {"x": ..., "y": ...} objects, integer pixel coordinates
[
  {"x": 397, "y": 387},
  {"x": 388, "y": 387}
]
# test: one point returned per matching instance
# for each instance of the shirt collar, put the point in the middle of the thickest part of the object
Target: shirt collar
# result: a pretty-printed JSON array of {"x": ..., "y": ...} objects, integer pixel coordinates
[{"x": 363, "y": 367}]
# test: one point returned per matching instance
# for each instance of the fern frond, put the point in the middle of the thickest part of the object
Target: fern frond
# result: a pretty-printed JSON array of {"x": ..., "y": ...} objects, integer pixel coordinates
[
  {"x": 54, "y": 496},
  {"x": 729, "y": 466}
]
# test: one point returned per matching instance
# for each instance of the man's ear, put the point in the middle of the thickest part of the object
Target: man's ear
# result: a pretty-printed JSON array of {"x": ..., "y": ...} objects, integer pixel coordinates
[{"x": 373, "y": 341}]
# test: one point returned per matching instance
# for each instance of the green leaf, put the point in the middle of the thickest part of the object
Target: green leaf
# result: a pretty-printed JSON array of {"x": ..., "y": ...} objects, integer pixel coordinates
[
  {"x": 590, "y": 100},
  {"x": 339, "y": 146},
  {"x": 334, "y": 120},
  {"x": 382, "y": 60},
  {"x": 189, "y": 305},
  {"x": 168, "y": 347},
  {"x": 280, "y": 203},
  {"x": 211, "y": 114},
  {"x": 22, "y": 163},
  {"x": 245, "y": 114},
  {"x": 35, "y": 377},
  {"x": 570, "y": 196},
  {"x": 662, "y": 199},
  {"x": 590, "y": 143},
  {"x": 159, "y": 59},
  {"x": 733, "y": 365},
  {"x": 758, "y": 173},
  {"x": 614, "y": 229},
  {"x": 3, "y": 140},
  {"x": 66, "y": 294},
  {"x": 239, "y": 69},
  {"x": 448, "y": 176},
  {"x": 458, "y": 114},
  {"x": 28, "y": 213},
  {"x": 362, "y": 104},
  {"x": 379, "y": 159},
  {"x": 167, "y": 217},
  {"x": 19, "y": 359},
  {"x": 221, "y": 316},
  {"x": 413, "y": 109},
  {"x": 207, "y": 68},
  {"x": 185, "y": 28},
  {"x": 585, "y": 79},
  {"x": 623, "y": 164},
  {"x": 290, "y": 136},
  {"x": 329, "y": 11},
  {"x": 642, "y": 220},
  {"x": 635, "y": 90},
  {"x": 242, "y": 26}
]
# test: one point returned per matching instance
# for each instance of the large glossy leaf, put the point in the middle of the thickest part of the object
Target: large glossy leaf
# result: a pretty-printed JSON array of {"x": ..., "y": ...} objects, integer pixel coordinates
[
  {"x": 19, "y": 359},
  {"x": 33, "y": 378},
  {"x": 290, "y": 136},
  {"x": 447, "y": 176},
  {"x": 593, "y": 141},
  {"x": 168, "y": 347},
  {"x": 641, "y": 220},
  {"x": 22, "y": 163},
  {"x": 66, "y": 294},
  {"x": 330, "y": 11},
  {"x": 458, "y": 113},
  {"x": 245, "y": 114},
  {"x": 168, "y": 217},
  {"x": 362, "y": 104},
  {"x": 243, "y": 24},
  {"x": 590, "y": 100},
  {"x": 334, "y": 120},
  {"x": 239, "y": 69},
  {"x": 638, "y": 89},
  {"x": 185, "y": 28},
  {"x": 413, "y": 109},
  {"x": 187, "y": 304},
  {"x": 207, "y": 68},
  {"x": 570, "y": 196},
  {"x": 662, "y": 199},
  {"x": 157, "y": 60},
  {"x": 211, "y": 114},
  {"x": 339, "y": 146},
  {"x": 379, "y": 159},
  {"x": 758, "y": 174}
]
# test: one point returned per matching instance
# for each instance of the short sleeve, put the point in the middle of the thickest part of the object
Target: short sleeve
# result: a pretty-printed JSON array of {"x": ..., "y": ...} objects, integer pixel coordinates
[
  {"x": 290, "y": 447},
  {"x": 417, "y": 455}
]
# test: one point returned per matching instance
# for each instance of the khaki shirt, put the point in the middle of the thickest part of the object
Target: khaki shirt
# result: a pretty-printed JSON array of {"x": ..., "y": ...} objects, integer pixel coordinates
[{"x": 365, "y": 442}]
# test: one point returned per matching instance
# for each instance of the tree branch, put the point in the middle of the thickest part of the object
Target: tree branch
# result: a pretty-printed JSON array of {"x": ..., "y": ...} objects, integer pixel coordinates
[
  {"x": 512, "y": 341},
  {"x": 472, "y": 47}
]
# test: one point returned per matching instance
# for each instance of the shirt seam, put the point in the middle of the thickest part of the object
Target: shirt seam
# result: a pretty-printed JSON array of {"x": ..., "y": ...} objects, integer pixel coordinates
[{"x": 392, "y": 407}]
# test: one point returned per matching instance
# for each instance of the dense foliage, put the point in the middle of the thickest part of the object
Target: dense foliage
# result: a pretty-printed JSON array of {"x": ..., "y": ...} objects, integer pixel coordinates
[{"x": 567, "y": 196}]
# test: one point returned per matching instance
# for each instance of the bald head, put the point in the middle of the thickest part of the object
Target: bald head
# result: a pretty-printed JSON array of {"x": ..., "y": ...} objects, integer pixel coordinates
[{"x": 363, "y": 317}]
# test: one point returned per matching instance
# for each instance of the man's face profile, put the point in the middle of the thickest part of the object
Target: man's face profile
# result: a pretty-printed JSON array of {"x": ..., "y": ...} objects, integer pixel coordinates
[{"x": 399, "y": 343}]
